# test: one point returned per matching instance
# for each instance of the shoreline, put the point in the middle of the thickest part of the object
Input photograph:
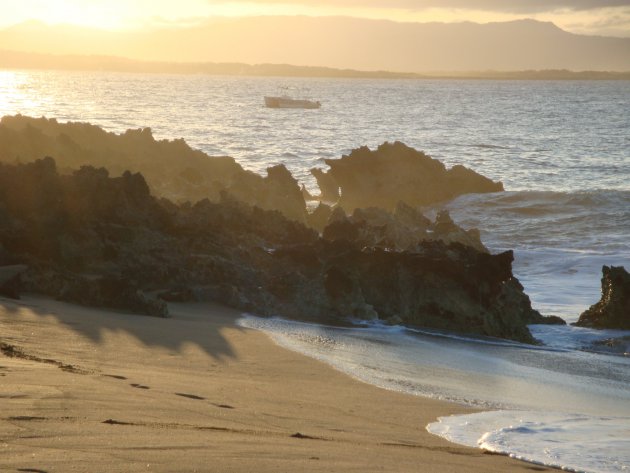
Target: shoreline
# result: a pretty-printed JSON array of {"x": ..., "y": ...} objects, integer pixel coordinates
[{"x": 195, "y": 392}]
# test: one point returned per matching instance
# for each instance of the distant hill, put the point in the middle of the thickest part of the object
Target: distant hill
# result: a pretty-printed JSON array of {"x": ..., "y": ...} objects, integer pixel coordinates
[
  {"x": 21, "y": 60},
  {"x": 342, "y": 43}
]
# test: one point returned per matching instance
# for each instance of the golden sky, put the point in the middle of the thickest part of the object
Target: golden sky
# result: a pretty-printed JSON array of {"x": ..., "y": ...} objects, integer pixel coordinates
[{"x": 605, "y": 17}]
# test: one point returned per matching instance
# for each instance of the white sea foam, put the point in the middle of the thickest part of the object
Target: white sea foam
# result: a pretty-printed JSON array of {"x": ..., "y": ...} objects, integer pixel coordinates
[{"x": 572, "y": 442}]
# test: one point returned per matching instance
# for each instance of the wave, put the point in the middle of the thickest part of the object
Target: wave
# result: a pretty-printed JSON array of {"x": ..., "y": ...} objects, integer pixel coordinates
[
  {"x": 601, "y": 198},
  {"x": 571, "y": 442},
  {"x": 488, "y": 146}
]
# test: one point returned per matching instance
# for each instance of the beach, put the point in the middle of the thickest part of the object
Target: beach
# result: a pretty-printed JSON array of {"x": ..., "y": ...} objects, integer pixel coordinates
[{"x": 85, "y": 389}]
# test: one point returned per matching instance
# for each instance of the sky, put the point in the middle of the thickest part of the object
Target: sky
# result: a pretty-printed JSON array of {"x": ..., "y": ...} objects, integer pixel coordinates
[{"x": 595, "y": 17}]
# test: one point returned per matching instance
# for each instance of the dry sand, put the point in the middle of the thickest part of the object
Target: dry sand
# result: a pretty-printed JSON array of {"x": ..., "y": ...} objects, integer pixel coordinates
[{"x": 96, "y": 391}]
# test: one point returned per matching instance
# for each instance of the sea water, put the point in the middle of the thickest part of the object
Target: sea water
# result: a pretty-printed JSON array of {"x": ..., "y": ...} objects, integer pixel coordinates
[
  {"x": 552, "y": 405},
  {"x": 562, "y": 150}
]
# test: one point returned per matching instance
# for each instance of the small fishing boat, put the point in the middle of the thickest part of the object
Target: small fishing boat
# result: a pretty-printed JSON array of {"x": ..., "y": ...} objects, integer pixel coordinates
[{"x": 286, "y": 101}]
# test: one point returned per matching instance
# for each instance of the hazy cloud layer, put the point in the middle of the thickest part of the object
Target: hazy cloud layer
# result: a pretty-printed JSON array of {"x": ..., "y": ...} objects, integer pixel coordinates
[{"x": 512, "y": 6}]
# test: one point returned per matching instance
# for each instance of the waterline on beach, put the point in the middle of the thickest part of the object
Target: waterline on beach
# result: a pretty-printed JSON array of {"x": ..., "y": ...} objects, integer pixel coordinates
[{"x": 541, "y": 386}]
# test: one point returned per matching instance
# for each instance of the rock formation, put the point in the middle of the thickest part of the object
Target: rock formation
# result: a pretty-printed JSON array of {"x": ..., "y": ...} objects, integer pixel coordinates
[
  {"x": 403, "y": 229},
  {"x": 613, "y": 309},
  {"x": 172, "y": 169},
  {"x": 11, "y": 280},
  {"x": 395, "y": 173},
  {"x": 382, "y": 178},
  {"x": 90, "y": 238}
]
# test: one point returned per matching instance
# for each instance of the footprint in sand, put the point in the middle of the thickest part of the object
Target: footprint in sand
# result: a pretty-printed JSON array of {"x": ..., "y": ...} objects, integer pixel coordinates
[
  {"x": 224, "y": 406},
  {"x": 190, "y": 396},
  {"x": 115, "y": 376},
  {"x": 139, "y": 386}
]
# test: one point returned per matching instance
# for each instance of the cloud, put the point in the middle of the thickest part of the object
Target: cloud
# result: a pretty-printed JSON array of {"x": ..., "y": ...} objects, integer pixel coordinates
[{"x": 505, "y": 6}]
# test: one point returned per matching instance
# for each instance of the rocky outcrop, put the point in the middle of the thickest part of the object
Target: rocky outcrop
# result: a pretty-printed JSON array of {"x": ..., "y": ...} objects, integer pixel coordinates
[
  {"x": 395, "y": 173},
  {"x": 451, "y": 287},
  {"x": 382, "y": 178},
  {"x": 328, "y": 186},
  {"x": 172, "y": 169},
  {"x": 318, "y": 218},
  {"x": 401, "y": 230},
  {"x": 11, "y": 280},
  {"x": 112, "y": 292},
  {"x": 613, "y": 309},
  {"x": 100, "y": 240}
]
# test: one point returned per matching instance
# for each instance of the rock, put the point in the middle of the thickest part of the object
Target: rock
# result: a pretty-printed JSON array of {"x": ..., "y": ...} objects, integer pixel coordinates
[
  {"x": 444, "y": 229},
  {"x": 402, "y": 230},
  {"x": 394, "y": 320},
  {"x": 96, "y": 291},
  {"x": 278, "y": 191},
  {"x": 179, "y": 294},
  {"x": 613, "y": 309},
  {"x": 393, "y": 173},
  {"x": 318, "y": 219},
  {"x": 328, "y": 186},
  {"x": 172, "y": 169},
  {"x": 105, "y": 241},
  {"x": 11, "y": 280},
  {"x": 550, "y": 320}
]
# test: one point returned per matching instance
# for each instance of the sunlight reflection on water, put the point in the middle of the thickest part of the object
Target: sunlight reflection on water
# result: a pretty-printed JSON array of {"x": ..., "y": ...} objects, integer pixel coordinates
[{"x": 552, "y": 135}]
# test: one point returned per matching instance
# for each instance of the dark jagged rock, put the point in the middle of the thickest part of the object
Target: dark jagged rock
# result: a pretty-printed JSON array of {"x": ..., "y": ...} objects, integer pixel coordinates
[
  {"x": 318, "y": 219},
  {"x": 94, "y": 290},
  {"x": 172, "y": 169},
  {"x": 403, "y": 230},
  {"x": 613, "y": 309},
  {"x": 442, "y": 286},
  {"x": 11, "y": 280},
  {"x": 393, "y": 173},
  {"x": 97, "y": 240},
  {"x": 551, "y": 320},
  {"x": 177, "y": 294},
  {"x": 328, "y": 186}
]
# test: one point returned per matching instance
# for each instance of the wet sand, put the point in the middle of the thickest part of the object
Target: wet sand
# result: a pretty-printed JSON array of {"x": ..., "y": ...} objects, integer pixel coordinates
[{"x": 91, "y": 390}]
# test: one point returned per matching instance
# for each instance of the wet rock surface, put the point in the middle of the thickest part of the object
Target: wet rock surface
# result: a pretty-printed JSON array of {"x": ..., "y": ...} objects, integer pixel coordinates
[{"x": 613, "y": 309}]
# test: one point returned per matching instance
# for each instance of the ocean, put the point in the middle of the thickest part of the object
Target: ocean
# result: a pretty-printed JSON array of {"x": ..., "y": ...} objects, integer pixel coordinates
[{"x": 562, "y": 150}]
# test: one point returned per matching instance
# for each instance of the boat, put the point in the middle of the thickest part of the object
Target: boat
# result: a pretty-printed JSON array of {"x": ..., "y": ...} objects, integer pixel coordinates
[{"x": 286, "y": 101}]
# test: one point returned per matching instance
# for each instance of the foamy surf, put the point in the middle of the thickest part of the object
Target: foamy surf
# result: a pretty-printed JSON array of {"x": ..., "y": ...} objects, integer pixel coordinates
[{"x": 571, "y": 442}]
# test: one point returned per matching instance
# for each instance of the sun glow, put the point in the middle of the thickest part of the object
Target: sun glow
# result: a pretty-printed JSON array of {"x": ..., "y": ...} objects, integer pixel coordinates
[
  {"x": 76, "y": 12},
  {"x": 134, "y": 14}
]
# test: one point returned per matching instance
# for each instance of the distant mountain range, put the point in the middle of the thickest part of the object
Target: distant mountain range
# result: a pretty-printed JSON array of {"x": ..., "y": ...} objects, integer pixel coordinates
[
  {"x": 332, "y": 42},
  {"x": 20, "y": 60}
]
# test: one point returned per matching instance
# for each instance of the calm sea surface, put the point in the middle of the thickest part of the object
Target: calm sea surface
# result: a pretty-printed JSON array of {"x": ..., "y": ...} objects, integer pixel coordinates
[{"x": 562, "y": 150}]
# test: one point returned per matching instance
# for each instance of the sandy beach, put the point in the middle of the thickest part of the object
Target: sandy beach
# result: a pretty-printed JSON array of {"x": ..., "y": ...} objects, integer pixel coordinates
[{"x": 83, "y": 389}]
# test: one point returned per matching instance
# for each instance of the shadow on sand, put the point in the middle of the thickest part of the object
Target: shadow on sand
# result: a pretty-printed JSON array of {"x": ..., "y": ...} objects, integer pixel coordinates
[{"x": 198, "y": 324}]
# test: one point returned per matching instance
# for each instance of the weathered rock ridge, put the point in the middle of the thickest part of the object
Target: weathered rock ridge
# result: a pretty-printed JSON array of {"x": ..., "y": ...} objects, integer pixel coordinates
[
  {"x": 172, "y": 169},
  {"x": 381, "y": 178},
  {"x": 401, "y": 230},
  {"x": 95, "y": 239},
  {"x": 395, "y": 173},
  {"x": 613, "y": 309}
]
